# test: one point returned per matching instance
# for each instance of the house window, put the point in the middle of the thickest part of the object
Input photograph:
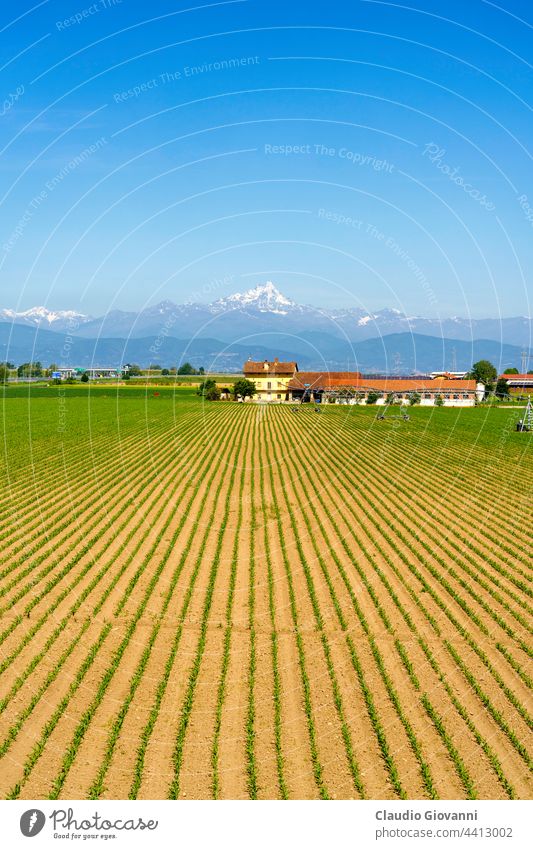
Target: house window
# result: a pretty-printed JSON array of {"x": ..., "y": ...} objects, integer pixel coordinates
[
  {"x": 269, "y": 384},
  {"x": 279, "y": 397},
  {"x": 427, "y": 395}
]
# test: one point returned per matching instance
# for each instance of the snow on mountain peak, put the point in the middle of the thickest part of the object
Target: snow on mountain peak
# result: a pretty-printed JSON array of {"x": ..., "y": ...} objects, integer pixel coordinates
[
  {"x": 42, "y": 315},
  {"x": 265, "y": 298}
]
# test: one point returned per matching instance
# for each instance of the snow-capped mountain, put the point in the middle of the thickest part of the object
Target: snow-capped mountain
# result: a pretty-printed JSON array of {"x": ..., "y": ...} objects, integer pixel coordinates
[
  {"x": 265, "y": 298},
  {"x": 41, "y": 316},
  {"x": 264, "y": 311}
]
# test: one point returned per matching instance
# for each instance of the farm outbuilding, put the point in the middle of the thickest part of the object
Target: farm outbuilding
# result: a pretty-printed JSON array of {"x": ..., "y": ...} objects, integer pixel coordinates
[
  {"x": 519, "y": 384},
  {"x": 92, "y": 372},
  {"x": 354, "y": 388},
  {"x": 282, "y": 381}
]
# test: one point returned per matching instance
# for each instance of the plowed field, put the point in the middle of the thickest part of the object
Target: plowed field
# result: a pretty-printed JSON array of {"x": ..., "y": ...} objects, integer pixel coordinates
[{"x": 226, "y": 601}]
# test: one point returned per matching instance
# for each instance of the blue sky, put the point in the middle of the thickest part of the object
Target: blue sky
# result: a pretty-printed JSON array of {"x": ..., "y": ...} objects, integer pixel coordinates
[{"x": 358, "y": 154}]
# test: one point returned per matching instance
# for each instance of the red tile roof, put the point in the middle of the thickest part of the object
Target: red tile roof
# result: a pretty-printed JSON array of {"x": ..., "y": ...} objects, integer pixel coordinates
[
  {"x": 274, "y": 367},
  {"x": 517, "y": 378},
  {"x": 353, "y": 380},
  {"x": 324, "y": 379}
]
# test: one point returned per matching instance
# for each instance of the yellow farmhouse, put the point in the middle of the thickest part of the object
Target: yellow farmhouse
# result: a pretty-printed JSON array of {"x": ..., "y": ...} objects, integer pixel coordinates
[{"x": 271, "y": 379}]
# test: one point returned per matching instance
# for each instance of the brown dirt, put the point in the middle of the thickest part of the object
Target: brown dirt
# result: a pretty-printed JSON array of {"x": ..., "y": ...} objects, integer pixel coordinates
[{"x": 347, "y": 525}]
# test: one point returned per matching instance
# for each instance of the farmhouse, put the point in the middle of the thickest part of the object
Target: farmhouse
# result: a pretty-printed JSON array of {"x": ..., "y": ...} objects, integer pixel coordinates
[
  {"x": 519, "y": 384},
  {"x": 282, "y": 381},
  {"x": 353, "y": 388},
  {"x": 271, "y": 379}
]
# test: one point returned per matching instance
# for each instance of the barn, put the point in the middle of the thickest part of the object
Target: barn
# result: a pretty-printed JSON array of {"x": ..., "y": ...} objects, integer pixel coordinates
[
  {"x": 354, "y": 388},
  {"x": 519, "y": 384}
]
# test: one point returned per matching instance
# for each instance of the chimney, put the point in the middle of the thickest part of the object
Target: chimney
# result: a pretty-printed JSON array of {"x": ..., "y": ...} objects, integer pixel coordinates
[{"x": 265, "y": 365}]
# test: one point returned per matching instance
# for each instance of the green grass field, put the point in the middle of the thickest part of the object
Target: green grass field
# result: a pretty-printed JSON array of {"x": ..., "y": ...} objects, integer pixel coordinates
[{"x": 231, "y": 601}]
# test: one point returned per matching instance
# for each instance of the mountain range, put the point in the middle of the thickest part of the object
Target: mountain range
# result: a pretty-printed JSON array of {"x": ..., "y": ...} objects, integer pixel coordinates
[{"x": 262, "y": 323}]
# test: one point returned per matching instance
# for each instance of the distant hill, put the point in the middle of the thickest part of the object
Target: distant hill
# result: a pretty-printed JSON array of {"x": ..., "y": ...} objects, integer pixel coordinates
[
  {"x": 20, "y": 343},
  {"x": 401, "y": 353},
  {"x": 410, "y": 353}
]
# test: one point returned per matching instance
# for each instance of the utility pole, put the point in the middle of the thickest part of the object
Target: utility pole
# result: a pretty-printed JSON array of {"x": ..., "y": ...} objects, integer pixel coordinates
[
  {"x": 397, "y": 357},
  {"x": 454, "y": 359}
]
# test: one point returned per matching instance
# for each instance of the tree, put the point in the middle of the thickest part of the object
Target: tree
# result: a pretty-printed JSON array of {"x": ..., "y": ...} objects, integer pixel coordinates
[
  {"x": 201, "y": 370},
  {"x": 414, "y": 398},
  {"x": 132, "y": 369},
  {"x": 30, "y": 370},
  {"x": 209, "y": 390},
  {"x": 244, "y": 387},
  {"x": 85, "y": 377},
  {"x": 165, "y": 372},
  {"x": 484, "y": 372},
  {"x": 439, "y": 401},
  {"x": 186, "y": 368},
  {"x": 372, "y": 397},
  {"x": 391, "y": 397},
  {"x": 511, "y": 371},
  {"x": 206, "y": 386},
  {"x": 213, "y": 393},
  {"x": 4, "y": 373},
  {"x": 502, "y": 388}
]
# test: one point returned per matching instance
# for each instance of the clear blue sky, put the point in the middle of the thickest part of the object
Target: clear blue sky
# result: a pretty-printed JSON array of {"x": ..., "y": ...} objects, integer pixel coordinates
[{"x": 356, "y": 153}]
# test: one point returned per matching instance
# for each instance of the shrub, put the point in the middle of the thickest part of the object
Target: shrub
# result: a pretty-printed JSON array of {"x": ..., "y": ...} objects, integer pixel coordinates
[
  {"x": 243, "y": 387},
  {"x": 502, "y": 389}
]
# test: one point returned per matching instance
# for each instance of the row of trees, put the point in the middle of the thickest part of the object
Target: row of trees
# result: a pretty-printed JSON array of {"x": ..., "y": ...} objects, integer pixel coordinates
[
  {"x": 184, "y": 369},
  {"x": 134, "y": 370},
  {"x": 25, "y": 370}
]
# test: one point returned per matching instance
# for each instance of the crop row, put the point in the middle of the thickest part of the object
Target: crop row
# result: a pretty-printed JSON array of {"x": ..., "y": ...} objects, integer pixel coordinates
[
  {"x": 134, "y": 534},
  {"x": 317, "y": 495}
]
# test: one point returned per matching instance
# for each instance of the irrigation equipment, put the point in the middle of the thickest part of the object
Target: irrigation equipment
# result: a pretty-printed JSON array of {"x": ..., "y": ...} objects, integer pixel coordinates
[
  {"x": 384, "y": 415},
  {"x": 525, "y": 425}
]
